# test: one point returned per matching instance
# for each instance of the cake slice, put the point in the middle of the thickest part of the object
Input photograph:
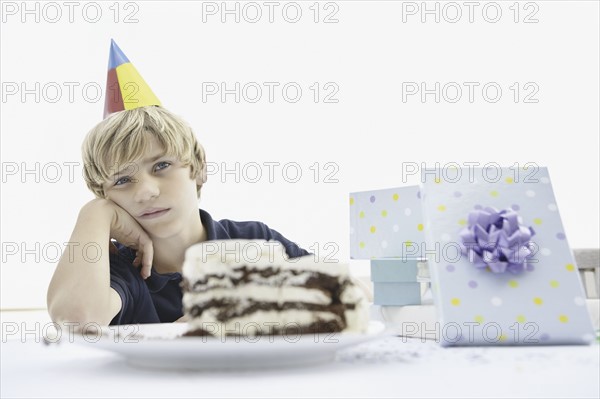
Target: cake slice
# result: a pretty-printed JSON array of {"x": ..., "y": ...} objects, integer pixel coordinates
[{"x": 250, "y": 287}]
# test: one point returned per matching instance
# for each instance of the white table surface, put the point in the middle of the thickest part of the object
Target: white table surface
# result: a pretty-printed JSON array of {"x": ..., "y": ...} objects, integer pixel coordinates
[{"x": 390, "y": 367}]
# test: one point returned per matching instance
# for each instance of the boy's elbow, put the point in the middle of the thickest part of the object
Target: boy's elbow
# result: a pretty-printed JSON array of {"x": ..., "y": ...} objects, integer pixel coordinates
[
  {"x": 77, "y": 316},
  {"x": 79, "y": 311}
]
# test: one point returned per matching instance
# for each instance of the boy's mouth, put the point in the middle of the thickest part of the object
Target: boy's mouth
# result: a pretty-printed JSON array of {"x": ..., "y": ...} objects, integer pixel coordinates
[{"x": 154, "y": 212}]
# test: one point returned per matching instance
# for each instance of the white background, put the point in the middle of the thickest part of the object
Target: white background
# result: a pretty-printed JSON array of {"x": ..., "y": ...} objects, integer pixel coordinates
[{"x": 368, "y": 134}]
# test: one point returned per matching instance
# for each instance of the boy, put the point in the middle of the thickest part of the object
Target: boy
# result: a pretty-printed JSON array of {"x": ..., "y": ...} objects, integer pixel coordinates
[{"x": 146, "y": 170}]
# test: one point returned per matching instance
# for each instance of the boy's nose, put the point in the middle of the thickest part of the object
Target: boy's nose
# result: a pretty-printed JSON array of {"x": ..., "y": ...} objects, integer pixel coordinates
[{"x": 146, "y": 190}]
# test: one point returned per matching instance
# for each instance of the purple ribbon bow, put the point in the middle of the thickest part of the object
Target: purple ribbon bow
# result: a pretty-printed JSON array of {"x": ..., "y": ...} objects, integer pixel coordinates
[{"x": 497, "y": 240}]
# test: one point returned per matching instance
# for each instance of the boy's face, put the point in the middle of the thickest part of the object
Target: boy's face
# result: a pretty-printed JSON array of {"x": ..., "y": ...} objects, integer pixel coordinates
[{"x": 156, "y": 182}]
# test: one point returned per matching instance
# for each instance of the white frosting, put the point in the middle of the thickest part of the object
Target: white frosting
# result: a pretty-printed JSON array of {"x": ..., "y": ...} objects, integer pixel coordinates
[
  {"x": 284, "y": 276},
  {"x": 226, "y": 256}
]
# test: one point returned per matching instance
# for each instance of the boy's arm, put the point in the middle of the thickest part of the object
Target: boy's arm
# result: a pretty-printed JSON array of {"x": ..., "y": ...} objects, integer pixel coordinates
[
  {"x": 254, "y": 229},
  {"x": 80, "y": 287}
]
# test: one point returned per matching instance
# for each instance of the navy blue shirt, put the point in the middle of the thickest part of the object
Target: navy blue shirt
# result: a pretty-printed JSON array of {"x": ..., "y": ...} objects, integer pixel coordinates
[{"x": 158, "y": 298}]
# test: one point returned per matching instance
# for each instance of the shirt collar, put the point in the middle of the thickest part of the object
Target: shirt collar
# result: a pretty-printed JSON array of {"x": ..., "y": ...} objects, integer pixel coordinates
[{"x": 214, "y": 230}]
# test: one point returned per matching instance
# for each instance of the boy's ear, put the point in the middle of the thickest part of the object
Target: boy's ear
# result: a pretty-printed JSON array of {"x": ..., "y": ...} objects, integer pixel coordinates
[{"x": 201, "y": 178}]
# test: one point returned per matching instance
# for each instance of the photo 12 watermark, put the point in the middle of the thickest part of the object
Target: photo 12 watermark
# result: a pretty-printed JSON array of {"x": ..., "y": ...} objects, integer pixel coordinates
[
  {"x": 274, "y": 172},
  {"x": 470, "y": 92},
  {"x": 267, "y": 331},
  {"x": 68, "y": 332},
  {"x": 453, "y": 12},
  {"x": 448, "y": 252},
  {"x": 263, "y": 253},
  {"x": 473, "y": 171},
  {"x": 252, "y": 12},
  {"x": 56, "y": 12},
  {"x": 475, "y": 332},
  {"x": 270, "y": 92}
]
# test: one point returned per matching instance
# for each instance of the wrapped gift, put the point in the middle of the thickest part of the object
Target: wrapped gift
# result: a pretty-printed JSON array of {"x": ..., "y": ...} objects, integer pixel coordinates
[
  {"x": 501, "y": 267},
  {"x": 385, "y": 223}
]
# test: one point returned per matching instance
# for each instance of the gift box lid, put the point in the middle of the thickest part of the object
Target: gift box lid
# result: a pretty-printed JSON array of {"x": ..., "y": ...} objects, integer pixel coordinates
[{"x": 388, "y": 270}]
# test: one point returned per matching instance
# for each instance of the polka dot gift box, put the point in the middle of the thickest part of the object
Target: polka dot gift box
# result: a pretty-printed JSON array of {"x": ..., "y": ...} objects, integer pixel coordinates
[
  {"x": 501, "y": 267},
  {"x": 386, "y": 223}
]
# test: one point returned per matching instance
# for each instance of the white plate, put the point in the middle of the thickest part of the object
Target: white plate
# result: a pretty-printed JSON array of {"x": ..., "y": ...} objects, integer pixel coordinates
[{"x": 162, "y": 346}]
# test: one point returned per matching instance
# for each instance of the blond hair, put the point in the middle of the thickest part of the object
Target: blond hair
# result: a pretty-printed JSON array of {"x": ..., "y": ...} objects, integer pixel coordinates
[{"x": 121, "y": 139}]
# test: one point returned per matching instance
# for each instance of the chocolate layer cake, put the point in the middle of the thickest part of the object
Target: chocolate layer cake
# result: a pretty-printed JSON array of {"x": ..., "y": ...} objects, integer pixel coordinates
[{"x": 243, "y": 287}]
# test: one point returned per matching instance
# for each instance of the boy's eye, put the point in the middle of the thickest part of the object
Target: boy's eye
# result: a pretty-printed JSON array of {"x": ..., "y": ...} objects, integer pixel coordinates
[
  {"x": 121, "y": 180},
  {"x": 163, "y": 163}
]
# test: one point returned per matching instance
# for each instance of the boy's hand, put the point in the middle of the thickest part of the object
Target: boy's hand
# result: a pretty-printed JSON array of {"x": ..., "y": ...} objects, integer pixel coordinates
[{"x": 126, "y": 230}]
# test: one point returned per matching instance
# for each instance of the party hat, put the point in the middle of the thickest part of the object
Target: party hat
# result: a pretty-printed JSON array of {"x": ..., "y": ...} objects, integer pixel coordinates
[{"x": 125, "y": 87}]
